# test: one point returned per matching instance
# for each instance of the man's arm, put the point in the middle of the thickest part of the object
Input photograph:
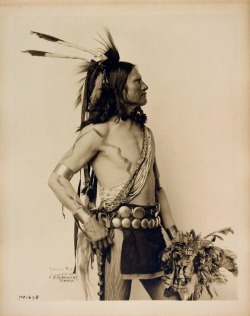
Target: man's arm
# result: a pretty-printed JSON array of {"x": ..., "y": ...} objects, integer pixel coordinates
[
  {"x": 161, "y": 197},
  {"x": 168, "y": 222},
  {"x": 86, "y": 146}
]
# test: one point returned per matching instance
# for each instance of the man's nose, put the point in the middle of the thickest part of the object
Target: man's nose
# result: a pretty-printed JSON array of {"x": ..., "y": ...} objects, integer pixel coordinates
[{"x": 144, "y": 86}]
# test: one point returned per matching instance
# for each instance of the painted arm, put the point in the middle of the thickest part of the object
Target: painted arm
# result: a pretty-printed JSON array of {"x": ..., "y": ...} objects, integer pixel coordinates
[{"x": 86, "y": 146}]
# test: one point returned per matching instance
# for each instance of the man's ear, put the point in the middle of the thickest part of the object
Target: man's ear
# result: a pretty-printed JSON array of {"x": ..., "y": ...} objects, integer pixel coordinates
[{"x": 125, "y": 93}]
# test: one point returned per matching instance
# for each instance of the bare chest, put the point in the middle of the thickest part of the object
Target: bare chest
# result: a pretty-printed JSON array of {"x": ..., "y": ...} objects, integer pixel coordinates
[
  {"x": 120, "y": 152},
  {"x": 123, "y": 148},
  {"x": 120, "y": 155}
]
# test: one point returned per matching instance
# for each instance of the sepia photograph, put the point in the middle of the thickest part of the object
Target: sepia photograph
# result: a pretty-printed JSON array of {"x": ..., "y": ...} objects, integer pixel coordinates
[{"x": 124, "y": 158}]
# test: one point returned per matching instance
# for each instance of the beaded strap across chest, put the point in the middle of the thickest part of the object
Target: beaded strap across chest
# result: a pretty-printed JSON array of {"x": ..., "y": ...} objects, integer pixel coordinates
[{"x": 124, "y": 192}]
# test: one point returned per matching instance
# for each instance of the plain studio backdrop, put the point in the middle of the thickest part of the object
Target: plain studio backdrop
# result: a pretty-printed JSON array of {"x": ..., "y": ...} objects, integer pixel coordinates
[{"x": 193, "y": 58}]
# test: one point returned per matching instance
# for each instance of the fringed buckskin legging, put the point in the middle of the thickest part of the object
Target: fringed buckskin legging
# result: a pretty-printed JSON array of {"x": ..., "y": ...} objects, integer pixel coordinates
[{"x": 116, "y": 288}]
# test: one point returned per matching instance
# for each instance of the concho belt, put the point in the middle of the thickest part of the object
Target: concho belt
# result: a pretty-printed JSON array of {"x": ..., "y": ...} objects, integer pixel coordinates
[{"x": 131, "y": 216}]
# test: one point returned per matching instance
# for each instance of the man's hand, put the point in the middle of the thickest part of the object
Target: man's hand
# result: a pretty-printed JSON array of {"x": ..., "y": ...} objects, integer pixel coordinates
[
  {"x": 172, "y": 232},
  {"x": 97, "y": 234}
]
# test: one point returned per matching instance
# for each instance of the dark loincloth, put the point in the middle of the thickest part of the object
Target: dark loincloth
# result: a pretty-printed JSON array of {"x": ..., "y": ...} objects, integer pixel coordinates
[{"x": 140, "y": 251}]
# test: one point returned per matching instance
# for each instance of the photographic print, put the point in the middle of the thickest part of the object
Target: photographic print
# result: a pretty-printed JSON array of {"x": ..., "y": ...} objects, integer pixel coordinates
[{"x": 124, "y": 158}]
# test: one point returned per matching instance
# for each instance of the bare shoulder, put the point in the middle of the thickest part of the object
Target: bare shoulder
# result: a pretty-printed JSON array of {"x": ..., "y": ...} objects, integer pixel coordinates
[
  {"x": 152, "y": 137},
  {"x": 150, "y": 132},
  {"x": 100, "y": 129}
]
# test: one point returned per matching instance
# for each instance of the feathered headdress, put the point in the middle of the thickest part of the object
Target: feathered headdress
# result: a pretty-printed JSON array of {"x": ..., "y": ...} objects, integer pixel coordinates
[{"x": 93, "y": 71}]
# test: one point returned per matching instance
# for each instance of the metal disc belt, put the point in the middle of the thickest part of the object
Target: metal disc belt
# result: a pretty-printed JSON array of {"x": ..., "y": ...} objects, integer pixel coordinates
[{"x": 136, "y": 217}]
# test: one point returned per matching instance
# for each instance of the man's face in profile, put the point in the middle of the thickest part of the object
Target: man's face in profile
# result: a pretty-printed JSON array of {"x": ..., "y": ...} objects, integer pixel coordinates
[{"x": 134, "y": 92}]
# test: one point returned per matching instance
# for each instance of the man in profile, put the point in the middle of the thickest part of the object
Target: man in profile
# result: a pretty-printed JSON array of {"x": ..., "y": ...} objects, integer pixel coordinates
[{"x": 117, "y": 153}]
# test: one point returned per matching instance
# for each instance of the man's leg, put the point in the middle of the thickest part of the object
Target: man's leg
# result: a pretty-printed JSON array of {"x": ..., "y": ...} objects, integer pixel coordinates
[
  {"x": 155, "y": 288},
  {"x": 115, "y": 287}
]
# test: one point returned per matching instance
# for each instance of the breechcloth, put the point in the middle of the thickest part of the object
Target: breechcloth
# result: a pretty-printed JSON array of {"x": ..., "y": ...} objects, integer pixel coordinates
[
  {"x": 118, "y": 288},
  {"x": 135, "y": 253}
]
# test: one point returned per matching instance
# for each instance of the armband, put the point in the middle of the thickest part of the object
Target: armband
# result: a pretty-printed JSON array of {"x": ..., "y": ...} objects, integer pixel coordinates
[
  {"x": 172, "y": 232},
  {"x": 81, "y": 215},
  {"x": 64, "y": 171}
]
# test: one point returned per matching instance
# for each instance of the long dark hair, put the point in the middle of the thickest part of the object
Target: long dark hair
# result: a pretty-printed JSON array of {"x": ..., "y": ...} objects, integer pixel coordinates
[{"x": 110, "y": 102}]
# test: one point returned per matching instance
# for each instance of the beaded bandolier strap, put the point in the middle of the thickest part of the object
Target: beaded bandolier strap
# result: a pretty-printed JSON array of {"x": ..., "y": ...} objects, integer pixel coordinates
[{"x": 134, "y": 184}]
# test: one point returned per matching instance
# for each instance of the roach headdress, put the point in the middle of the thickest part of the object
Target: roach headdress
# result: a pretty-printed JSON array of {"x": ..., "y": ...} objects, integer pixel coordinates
[{"x": 93, "y": 71}]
